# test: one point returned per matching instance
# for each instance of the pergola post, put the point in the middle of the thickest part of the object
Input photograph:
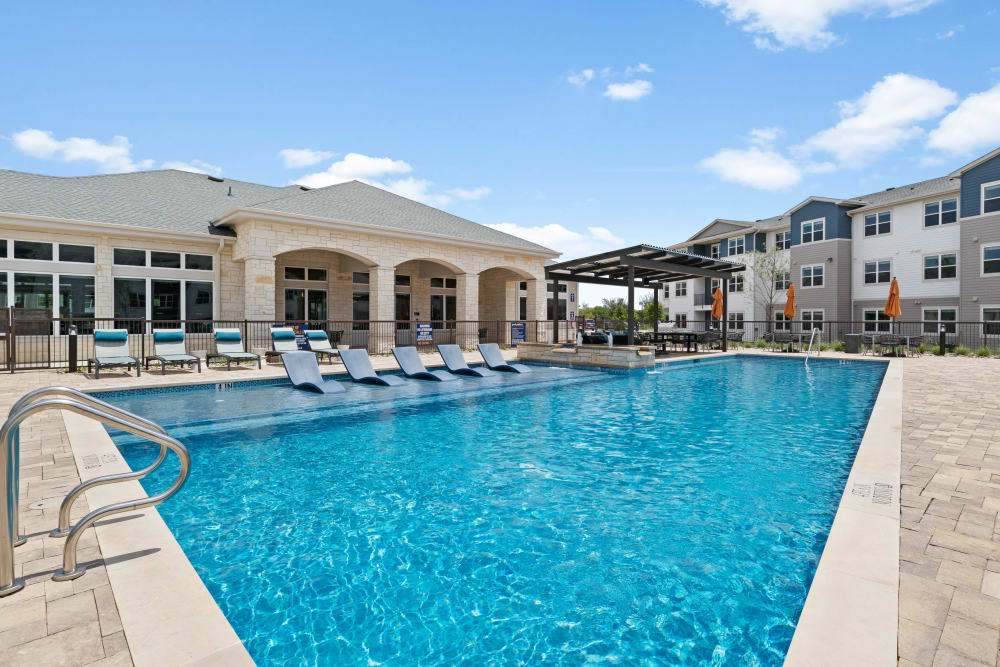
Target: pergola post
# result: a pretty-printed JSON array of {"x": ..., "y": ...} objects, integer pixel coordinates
[
  {"x": 725, "y": 314},
  {"x": 631, "y": 305},
  {"x": 656, "y": 309},
  {"x": 555, "y": 311}
]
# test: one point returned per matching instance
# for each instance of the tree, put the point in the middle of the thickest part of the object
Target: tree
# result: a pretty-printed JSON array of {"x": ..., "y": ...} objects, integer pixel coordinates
[
  {"x": 770, "y": 270},
  {"x": 647, "y": 307}
]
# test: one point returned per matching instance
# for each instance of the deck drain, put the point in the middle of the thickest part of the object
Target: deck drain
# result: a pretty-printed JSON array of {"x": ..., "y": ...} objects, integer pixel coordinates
[{"x": 46, "y": 504}]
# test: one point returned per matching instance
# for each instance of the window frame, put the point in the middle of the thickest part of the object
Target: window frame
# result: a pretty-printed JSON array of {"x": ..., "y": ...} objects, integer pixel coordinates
[
  {"x": 880, "y": 318},
  {"x": 940, "y": 212},
  {"x": 680, "y": 288},
  {"x": 812, "y": 320},
  {"x": 877, "y": 224},
  {"x": 735, "y": 321},
  {"x": 731, "y": 243},
  {"x": 58, "y": 253},
  {"x": 737, "y": 282},
  {"x": 715, "y": 251},
  {"x": 939, "y": 321},
  {"x": 812, "y": 231},
  {"x": 782, "y": 323},
  {"x": 783, "y": 282},
  {"x": 812, "y": 277},
  {"x": 785, "y": 241},
  {"x": 878, "y": 272},
  {"x": 982, "y": 197},
  {"x": 939, "y": 267},
  {"x": 982, "y": 259},
  {"x": 982, "y": 319}
]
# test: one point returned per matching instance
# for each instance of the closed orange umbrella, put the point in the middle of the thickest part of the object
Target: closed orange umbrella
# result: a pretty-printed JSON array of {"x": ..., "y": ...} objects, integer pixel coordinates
[
  {"x": 892, "y": 305},
  {"x": 790, "y": 302},
  {"x": 717, "y": 304}
]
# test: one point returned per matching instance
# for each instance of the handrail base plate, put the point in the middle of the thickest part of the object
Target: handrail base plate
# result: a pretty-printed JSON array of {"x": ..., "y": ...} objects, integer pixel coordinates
[
  {"x": 20, "y": 540},
  {"x": 13, "y": 588},
  {"x": 62, "y": 575}
]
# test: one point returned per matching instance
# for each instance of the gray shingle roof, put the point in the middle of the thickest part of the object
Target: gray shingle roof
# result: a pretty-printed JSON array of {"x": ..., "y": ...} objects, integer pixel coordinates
[
  {"x": 358, "y": 202},
  {"x": 929, "y": 188},
  {"x": 181, "y": 201}
]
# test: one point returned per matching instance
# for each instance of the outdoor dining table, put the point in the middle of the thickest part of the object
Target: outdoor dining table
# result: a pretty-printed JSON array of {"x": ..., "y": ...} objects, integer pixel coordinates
[
  {"x": 689, "y": 338},
  {"x": 892, "y": 341}
]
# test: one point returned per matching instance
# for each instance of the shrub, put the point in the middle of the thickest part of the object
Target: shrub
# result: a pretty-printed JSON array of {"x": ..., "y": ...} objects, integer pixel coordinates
[
  {"x": 838, "y": 346},
  {"x": 760, "y": 344},
  {"x": 924, "y": 348},
  {"x": 961, "y": 350},
  {"x": 936, "y": 349},
  {"x": 983, "y": 352}
]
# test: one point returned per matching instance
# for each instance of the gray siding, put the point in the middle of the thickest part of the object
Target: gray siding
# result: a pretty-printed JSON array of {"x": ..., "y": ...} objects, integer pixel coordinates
[
  {"x": 835, "y": 295},
  {"x": 970, "y": 265},
  {"x": 718, "y": 228},
  {"x": 912, "y": 309},
  {"x": 972, "y": 182}
]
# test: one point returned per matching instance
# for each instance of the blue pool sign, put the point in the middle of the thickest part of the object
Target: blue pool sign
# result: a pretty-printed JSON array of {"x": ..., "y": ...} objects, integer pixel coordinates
[
  {"x": 518, "y": 333},
  {"x": 425, "y": 333}
]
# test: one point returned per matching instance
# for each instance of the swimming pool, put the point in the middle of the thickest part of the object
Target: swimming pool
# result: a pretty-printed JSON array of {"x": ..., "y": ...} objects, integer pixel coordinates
[{"x": 647, "y": 518}]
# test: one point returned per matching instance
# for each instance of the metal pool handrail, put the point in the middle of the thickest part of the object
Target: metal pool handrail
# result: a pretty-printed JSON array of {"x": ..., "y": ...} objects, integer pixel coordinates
[
  {"x": 71, "y": 569},
  {"x": 67, "y": 504}
]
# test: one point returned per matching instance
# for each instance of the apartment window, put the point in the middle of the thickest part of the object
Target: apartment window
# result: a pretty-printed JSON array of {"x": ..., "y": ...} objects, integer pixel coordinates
[
  {"x": 523, "y": 286},
  {"x": 316, "y": 275},
  {"x": 991, "y": 260},
  {"x": 812, "y": 319},
  {"x": 3, "y": 247},
  {"x": 681, "y": 288},
  {"x": 935, "y": 318},
  {"x": 76, "y": 253},
  {"x": 165, "y": 260},
  {"x": 876, "y": 321},
  {"x": 198, "y": 262},
  {"x": 198, "y": 297},
  {"x": 783, "y": 280},
  {"x": 762, "y": 243},
  {"x": 360, "y": 278},
  {"x": 991, "y": 321},
  {"x": 782, "y": 323},
  {"x": 714, "y": 251},
  {"x": 129, "y": 257},
  {"x": 296, "y": 273},
  {"x": 812, "y": 276},
  {"x": 402, "y": 281},
  {"x": 32, "y": 250},
  {"x": 716, "y": 284},
  {"x": 359, "y": 310},
  {"x": 522, "y": 312},
  {"x": 940, "y": 212},
  {"x": 130, "y": 301},
  {"x": 33, "y": 290},
  {"x": 877, "y": 224},
  {"x": 736, "y": 283},
  {"x": 437, "y": 282},
  {"x": 878, "y": 272},
  {"x": 782, "y": 240},
  {"x": 681, "y": 320},
  {"x": 551, "y": 287},
  {"x": 991, "y": 199},
  {"x": 940, "y": 267},
  {"x": 813, "y": 231},
  {"x": 735, "y": 320},
  {"x": 165, "y": 300},
  {"x": 452, "y": 283},
  {"x": 737, "y": 245}
]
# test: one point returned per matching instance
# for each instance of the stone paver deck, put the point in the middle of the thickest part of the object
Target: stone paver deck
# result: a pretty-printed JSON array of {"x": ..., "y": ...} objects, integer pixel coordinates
[{"x": 949, "y": 571}]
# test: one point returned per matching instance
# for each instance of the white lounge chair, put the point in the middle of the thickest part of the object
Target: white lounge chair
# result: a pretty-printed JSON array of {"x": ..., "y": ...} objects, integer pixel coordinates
[
  {"x": 229, "y": 346},
  {"x": 169, "y": 348},
  {"x": 111, "y": 351}
]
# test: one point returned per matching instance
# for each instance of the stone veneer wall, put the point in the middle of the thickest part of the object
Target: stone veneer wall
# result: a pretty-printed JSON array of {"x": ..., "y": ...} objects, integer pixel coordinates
[{"x": 601, "y": 356}]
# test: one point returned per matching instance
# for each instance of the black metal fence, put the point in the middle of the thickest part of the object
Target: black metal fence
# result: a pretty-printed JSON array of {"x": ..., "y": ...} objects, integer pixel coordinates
[{"x": 34, "y": 339}]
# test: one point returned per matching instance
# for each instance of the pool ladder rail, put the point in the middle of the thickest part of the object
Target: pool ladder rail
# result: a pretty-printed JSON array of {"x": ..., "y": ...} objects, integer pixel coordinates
[
  {"x": 812, "y": 337},
  {"x": 65, "y": 398}
]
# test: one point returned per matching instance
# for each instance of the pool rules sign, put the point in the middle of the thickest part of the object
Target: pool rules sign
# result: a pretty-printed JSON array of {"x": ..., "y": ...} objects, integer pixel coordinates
[
  {"x": 518, "y": 333},
  {"x": 425, "y": 333}
]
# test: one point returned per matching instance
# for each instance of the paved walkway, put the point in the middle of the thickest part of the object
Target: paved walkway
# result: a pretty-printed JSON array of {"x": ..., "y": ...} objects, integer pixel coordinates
[{"x": 949, "y": 579}]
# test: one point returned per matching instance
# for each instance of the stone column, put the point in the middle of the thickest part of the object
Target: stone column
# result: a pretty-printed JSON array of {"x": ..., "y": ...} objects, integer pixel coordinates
[
  {"x": 381, "y": 309},
  {"x": 537, "y": 310},
  {"x": 467, "y": 310},
  {"x": 258, "y": 288},
  {"x": 104, "y": 282}
]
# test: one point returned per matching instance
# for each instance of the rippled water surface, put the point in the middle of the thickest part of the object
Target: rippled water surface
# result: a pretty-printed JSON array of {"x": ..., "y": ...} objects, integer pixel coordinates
[{"x": 657, "y": 518}]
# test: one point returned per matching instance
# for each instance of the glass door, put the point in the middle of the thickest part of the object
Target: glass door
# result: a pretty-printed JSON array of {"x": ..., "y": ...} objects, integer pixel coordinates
[
  {"x": 316, "y": 300},
  {"x": 295, "y": 304}
]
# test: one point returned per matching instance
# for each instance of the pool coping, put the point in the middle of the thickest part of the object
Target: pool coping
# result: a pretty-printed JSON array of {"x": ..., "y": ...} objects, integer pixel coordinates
[{"x": 849, "y": 617}]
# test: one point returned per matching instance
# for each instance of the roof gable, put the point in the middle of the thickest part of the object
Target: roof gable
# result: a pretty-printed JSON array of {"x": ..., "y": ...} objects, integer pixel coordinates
[{"x": 720, "y": 226}]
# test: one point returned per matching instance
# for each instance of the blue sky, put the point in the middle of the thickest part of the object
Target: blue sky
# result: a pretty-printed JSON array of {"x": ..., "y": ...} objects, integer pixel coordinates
[{"x": 582, "y": 125}]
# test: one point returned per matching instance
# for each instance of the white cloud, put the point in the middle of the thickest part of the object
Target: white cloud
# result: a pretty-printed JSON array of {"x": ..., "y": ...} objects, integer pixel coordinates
[
  {"x": 881, "y": 120},
  {"x": 114, "y": 156},
  {"x": 635, "y": 69},
  {"x": 568, "y": 242},
  {"x": 974, "y": 124},
  {"x": 764, "y": 136},
  {"x": 195, "y": 166},
  {"x": 777, "y": 24},
  {"x": 379, "y": 171},
  {"x": 632, "y": 90},
  {"x": 303, "y": 157},
  {"x": 581, "y": 78},
  {"x": 756, "y": 167},
  {"x": 951, "y": 32}
]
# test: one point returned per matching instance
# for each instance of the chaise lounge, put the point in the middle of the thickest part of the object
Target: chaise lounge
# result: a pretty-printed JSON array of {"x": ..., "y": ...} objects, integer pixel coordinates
[
  {"x": 493, "y": 358},
  {"x": 282, "y": 340},
  {"x": 319, "y": 343},
  {"x": 359, "y": 367},
  {"x": 453, "y": 359},
  {"x": 169, "y": 348},
  {"x": 303, "y": 371},
  {"x": 409, "y": 360},
  {"x": 111, "y": 351},
  {"x": 229, "y": 346}
]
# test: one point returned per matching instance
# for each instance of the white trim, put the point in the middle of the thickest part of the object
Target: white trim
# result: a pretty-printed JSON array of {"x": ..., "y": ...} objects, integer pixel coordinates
[
  {"x": 813, "y": 320},
  {"x": 982, "y": 197},
  {"x": 876, "y": 214},
  {"x": 939, "y": 254},
  {"x": 864, "y": 271},
  {"x": 982, "y": 258},
  {"x": 813, "y": 233},
  {"x": 975, "y": 163},
  {"x": 877, "y": 321},
  {"x": 803, "y": 267},
  {"x": 982, "y": 317},
  {"x": 345, "y": 225},
  {"x": 940, "y": 213}
]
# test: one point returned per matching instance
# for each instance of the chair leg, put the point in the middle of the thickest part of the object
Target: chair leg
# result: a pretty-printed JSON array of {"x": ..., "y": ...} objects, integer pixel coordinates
[
  {"x": 199, "y": 365},
  {"x": 138, "y": 370}
]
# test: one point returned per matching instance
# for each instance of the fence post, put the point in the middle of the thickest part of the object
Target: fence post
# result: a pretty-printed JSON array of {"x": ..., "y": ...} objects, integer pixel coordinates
[
  {"x": 72, "y": 349},
  {"x": 11, "y": 339},
  {"x": 942, "y": 339}
]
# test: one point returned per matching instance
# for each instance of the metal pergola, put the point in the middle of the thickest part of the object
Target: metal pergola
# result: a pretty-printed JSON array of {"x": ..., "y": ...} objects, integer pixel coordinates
[{"x": 644, "y": 266}]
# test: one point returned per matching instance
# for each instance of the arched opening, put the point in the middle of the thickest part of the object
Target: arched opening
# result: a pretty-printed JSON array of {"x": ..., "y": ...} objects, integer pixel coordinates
[
  {"x": 425, "y": 290},
  {"x": 503, "y": 294}
]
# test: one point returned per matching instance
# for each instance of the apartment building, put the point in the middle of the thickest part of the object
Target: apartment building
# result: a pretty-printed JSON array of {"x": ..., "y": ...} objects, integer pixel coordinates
[{"x": 940, "y": 238}]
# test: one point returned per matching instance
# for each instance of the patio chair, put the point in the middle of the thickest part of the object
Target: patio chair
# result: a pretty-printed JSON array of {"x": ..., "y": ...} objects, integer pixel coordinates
[
  {"x": 453, "y": 359},
  {"x": 494, "y": 360},
  {"x": 282, "y": 340},
  {"x": 303, "y": 371},
  {"x": 359, "y": 367},
  {"x": 111, "y": 351},
  {"x": 409, "y": 360},
  {"x": 229, "y": 346},
  {"x": 319, "y": 343},
  {"x": 169, "y": 348}
]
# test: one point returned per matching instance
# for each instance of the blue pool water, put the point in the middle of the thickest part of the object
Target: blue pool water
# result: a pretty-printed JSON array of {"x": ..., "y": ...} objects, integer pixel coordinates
[{"x": 674, "y": 517}]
